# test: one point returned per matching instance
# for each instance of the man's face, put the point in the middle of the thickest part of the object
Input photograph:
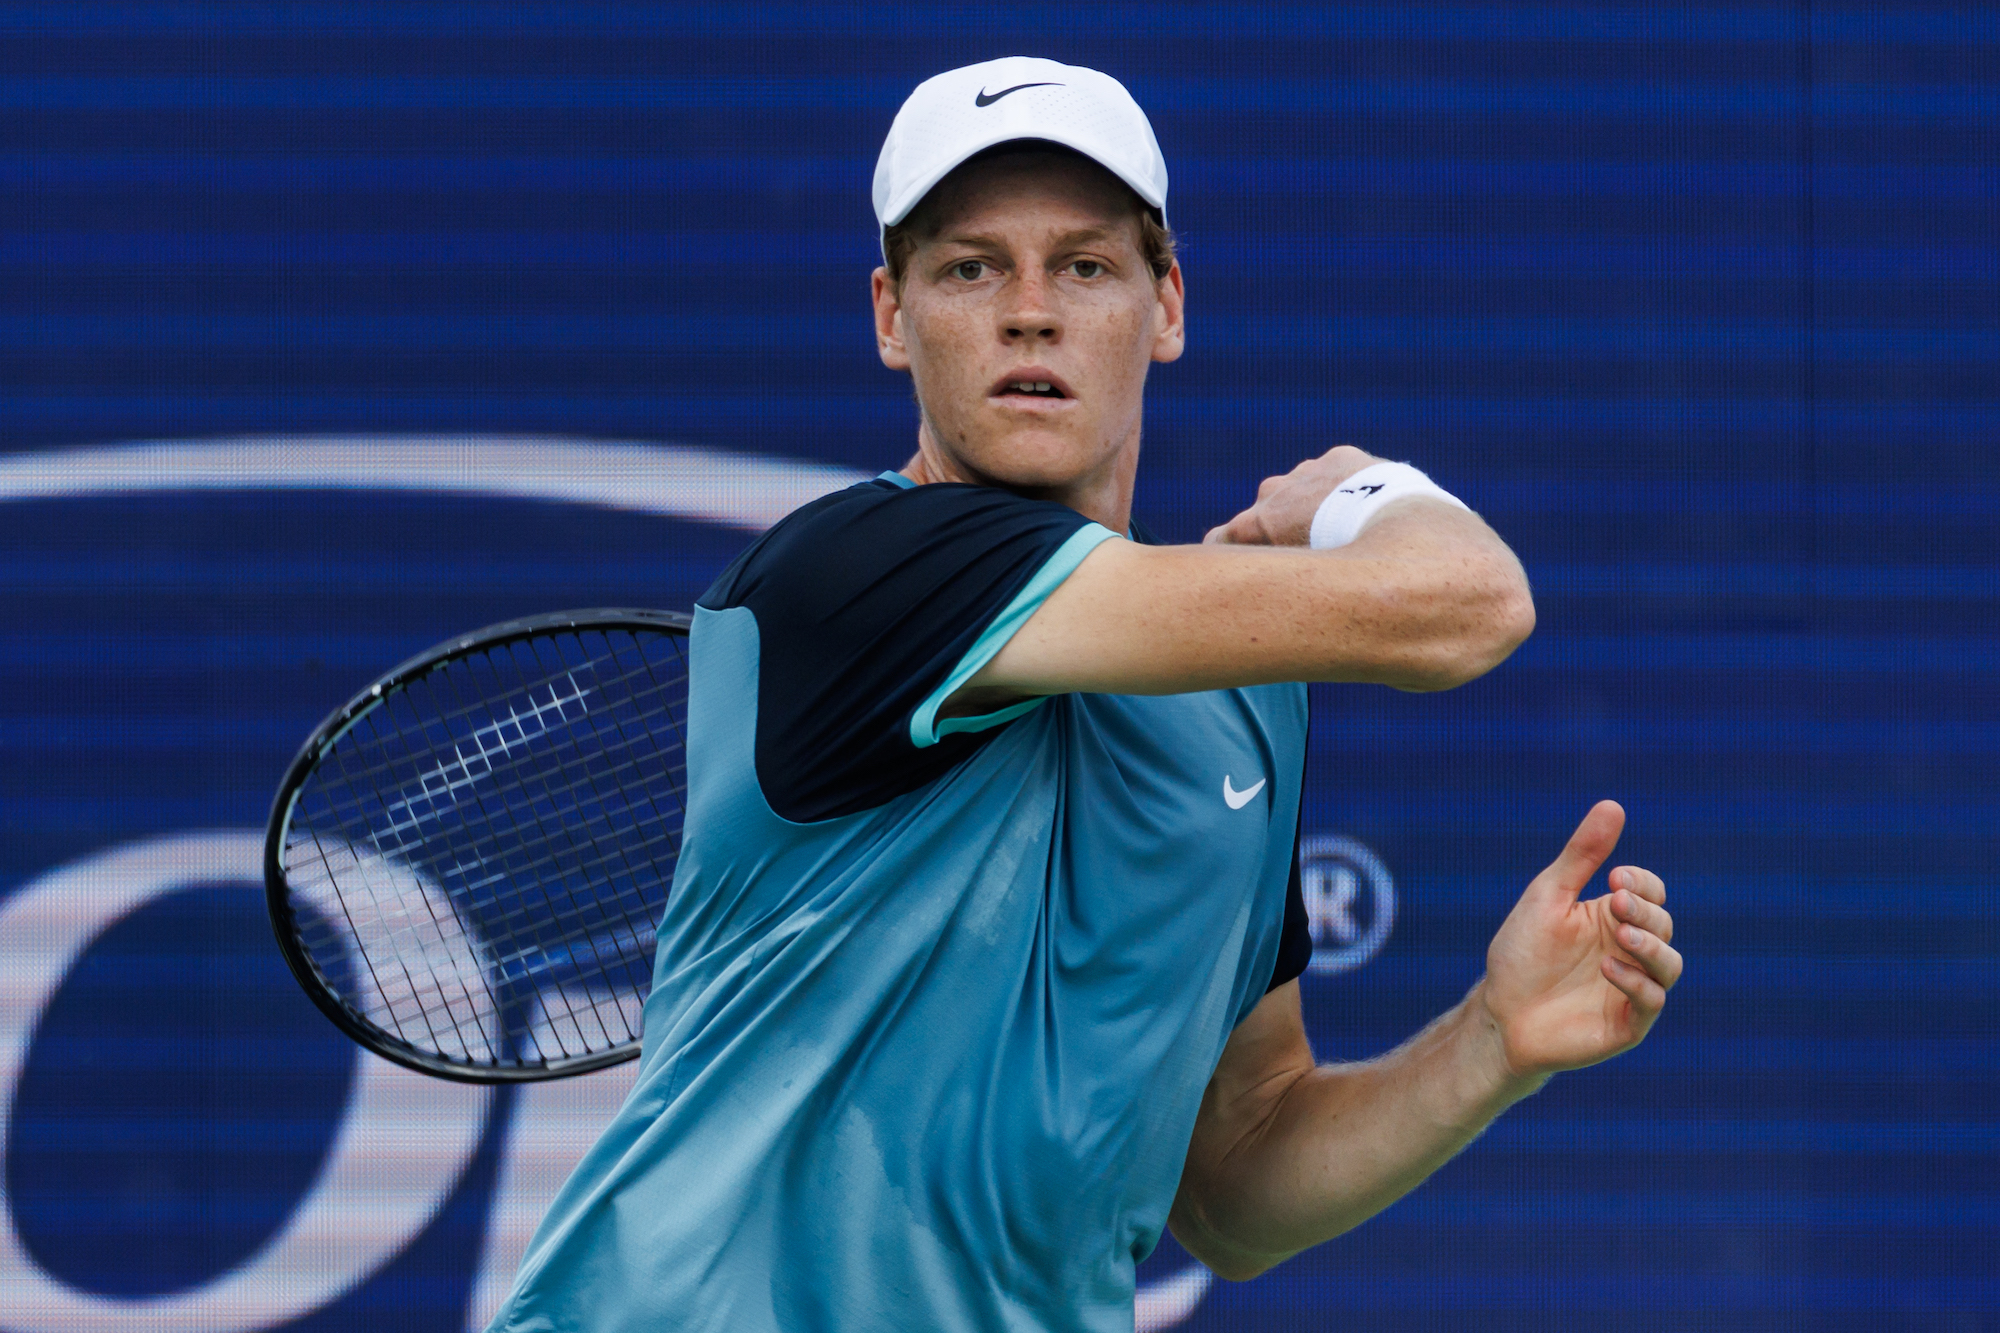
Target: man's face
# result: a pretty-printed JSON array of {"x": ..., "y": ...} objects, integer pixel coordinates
[{"x": 1030, "y": 274}]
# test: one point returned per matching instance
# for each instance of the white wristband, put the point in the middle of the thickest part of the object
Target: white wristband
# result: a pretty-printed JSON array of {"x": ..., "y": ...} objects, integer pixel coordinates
[{"x": 1341, "y": 516}]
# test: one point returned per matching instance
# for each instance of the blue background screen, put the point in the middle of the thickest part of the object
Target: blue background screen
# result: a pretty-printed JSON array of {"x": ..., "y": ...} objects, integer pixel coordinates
[{"x": 1698, "y": 304}]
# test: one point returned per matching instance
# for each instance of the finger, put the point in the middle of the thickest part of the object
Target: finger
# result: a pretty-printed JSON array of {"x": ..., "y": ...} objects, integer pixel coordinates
[
  {"x": 1242, "y": 530},
  {"x": 1223, "y": 534},
  {"x": 1246, "y": 529},
  {"x": 1660, "y": 959},
  {"x": 1646, "y": 916},
  {"x": 1587, "y": 849},
  {"x": 1648, "y": 997},
  {"x": 1643, "y": 882}
]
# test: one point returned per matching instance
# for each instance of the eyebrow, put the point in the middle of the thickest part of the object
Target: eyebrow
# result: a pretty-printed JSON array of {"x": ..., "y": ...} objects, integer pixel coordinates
[{"x": 1080, "y": 236}]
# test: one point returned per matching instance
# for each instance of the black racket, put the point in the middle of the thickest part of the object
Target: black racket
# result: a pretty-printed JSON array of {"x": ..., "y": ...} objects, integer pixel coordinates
[{"x": 466, "y": 863}]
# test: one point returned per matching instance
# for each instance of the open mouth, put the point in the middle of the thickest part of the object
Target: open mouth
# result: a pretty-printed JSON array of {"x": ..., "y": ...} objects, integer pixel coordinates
[{"x": 1034, "y": 384}]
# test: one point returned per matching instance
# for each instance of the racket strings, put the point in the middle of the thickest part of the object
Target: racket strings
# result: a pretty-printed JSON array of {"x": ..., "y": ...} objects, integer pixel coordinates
[
  {"x": 449, "y": 679},
  {"x": 441, "y": 838},
  {"x": 624, "y": 1009},
  {"x": 562, "y": 839},
  {"x": 621, "y": 849},
  {"x": 548, "y": 814},
  {"x": 441, "y": 720},
  {"x": 354, "y": 869},
  {"x": 496, "y": 840},
  {"x": 371, "y": 959}
]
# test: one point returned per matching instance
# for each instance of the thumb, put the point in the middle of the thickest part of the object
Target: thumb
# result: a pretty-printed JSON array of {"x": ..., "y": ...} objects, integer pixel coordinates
[{"x": 1588, "y": 848}]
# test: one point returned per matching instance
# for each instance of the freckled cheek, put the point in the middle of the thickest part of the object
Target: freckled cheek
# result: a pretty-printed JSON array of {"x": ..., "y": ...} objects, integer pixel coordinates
[
  {"x": 1114, "y": 343},
  {"x": 949, "y": 362}
]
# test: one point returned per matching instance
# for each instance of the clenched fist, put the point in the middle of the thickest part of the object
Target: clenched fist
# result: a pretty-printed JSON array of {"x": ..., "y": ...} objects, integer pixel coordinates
[{"x": 1285, "y": 505}]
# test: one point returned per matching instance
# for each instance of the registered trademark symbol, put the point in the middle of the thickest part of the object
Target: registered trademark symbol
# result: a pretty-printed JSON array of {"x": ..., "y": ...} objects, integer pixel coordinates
[{"x": 1350, "y": 900}]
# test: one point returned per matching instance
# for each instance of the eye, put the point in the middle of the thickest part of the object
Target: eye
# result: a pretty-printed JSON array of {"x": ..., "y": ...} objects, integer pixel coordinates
[
  {"x": 968, "y": 270},
  {"x": 1087, "y": 268}
]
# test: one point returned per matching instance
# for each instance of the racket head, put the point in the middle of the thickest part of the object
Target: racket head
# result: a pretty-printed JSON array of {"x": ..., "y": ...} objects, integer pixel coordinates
[{"x": 466, "y": 862}]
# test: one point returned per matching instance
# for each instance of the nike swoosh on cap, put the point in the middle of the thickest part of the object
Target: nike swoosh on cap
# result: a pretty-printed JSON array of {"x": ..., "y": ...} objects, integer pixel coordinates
[
  {"x": 988, "y": 99},
  {"x": 1235, "y": 799}
]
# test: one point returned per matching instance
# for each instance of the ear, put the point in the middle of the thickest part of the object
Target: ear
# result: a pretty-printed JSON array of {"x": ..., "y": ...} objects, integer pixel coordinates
[
  {"x": 1170, "y": 335},
  {"x": 889, "y": 322}
]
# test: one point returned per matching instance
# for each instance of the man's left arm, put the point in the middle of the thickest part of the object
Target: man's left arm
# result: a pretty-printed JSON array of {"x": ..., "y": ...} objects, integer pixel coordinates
[{"x": 1287, "y": 1153}]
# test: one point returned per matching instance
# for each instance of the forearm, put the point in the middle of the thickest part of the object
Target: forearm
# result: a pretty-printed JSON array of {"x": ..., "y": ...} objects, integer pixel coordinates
[
  {"x": 1279, "y": 1167},
  {"x": 1447, "y": 562},
  {"x": 1426, "y": 598}
]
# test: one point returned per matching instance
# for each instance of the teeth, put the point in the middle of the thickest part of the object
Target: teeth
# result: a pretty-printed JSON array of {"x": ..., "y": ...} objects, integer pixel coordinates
[{"x": 1041, "y": 386}]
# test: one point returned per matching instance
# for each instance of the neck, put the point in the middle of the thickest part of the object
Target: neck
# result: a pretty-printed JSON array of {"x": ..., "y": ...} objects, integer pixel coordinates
[{"x": 1103, "y": 495}]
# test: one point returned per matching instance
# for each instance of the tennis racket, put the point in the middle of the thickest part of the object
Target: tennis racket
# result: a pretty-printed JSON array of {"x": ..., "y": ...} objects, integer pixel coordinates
[{"x": 466, "y": 863}]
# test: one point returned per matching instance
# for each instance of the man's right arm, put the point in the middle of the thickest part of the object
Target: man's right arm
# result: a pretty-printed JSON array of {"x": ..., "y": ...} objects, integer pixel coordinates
[{"x": 1427, "y": 597}]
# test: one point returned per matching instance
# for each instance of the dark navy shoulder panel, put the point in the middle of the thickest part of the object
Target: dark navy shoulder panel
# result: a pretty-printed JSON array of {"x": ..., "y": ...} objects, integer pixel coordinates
[{"x": 865, "y": 600}]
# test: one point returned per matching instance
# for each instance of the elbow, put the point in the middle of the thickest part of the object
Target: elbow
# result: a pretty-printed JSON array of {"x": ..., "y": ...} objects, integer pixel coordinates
[
  {"x": 1234, "y": 1269},
  {"x": 1227, "y": 1260},
  {"x": 1493, "y": 619},
  {"x": 1513, "y": 620}
]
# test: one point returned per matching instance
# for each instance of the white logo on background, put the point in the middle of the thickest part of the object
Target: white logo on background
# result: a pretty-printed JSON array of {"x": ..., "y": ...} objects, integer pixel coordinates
[
  {"x": 1235, "y": 799},
  {"x": 1350, "y": 899},
  {"x": 403, "y": 1141}
]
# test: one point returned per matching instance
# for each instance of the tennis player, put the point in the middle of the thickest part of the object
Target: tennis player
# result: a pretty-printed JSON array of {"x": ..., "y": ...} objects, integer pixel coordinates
[{"x": 980, "y": 964}]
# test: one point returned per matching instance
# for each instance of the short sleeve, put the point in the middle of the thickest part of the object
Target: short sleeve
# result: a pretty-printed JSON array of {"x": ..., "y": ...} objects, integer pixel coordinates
[{"x": 873, "y": 605}]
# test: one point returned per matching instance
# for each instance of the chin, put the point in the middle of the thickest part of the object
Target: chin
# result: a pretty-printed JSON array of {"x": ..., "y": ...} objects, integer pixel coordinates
[{"x": 1036, "y": 460}]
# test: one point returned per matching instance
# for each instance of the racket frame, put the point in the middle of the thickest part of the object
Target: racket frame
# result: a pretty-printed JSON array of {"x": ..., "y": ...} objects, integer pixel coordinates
[{"x": 277, "y": 891}]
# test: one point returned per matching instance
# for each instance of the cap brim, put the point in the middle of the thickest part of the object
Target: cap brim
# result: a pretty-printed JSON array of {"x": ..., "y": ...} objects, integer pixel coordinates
[{"x": 913, "y": 194}]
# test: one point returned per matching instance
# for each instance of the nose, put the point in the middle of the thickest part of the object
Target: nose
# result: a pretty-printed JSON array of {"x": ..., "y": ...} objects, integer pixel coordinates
[{"x": 1030, "y": 314}]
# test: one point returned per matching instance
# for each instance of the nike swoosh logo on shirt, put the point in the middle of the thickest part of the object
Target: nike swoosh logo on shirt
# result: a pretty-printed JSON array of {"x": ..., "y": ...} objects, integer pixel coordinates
[
  {"x": 988, "y": 99},
  {"x": 1235, "y": 799}
]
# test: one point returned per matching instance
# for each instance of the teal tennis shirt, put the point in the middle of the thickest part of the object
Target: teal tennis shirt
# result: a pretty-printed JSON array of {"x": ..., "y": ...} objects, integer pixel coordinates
[{"x": 935, "y": 999}]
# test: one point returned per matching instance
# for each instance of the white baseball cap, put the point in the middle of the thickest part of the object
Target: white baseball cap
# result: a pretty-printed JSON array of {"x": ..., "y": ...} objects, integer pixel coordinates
[{"x": 965, "y": 111}]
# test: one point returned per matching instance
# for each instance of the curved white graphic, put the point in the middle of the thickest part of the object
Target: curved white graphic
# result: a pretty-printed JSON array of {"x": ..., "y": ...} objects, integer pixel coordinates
[
  {"x": 1170, "y": 1300},
  {"x": 1348, "y": 928},
  {"x": 404, "y": 1139},
  {"x": 676, "y": 481},
  {"x": 1235, "y": 799},
  {"x": 400, "y": 1148}
]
